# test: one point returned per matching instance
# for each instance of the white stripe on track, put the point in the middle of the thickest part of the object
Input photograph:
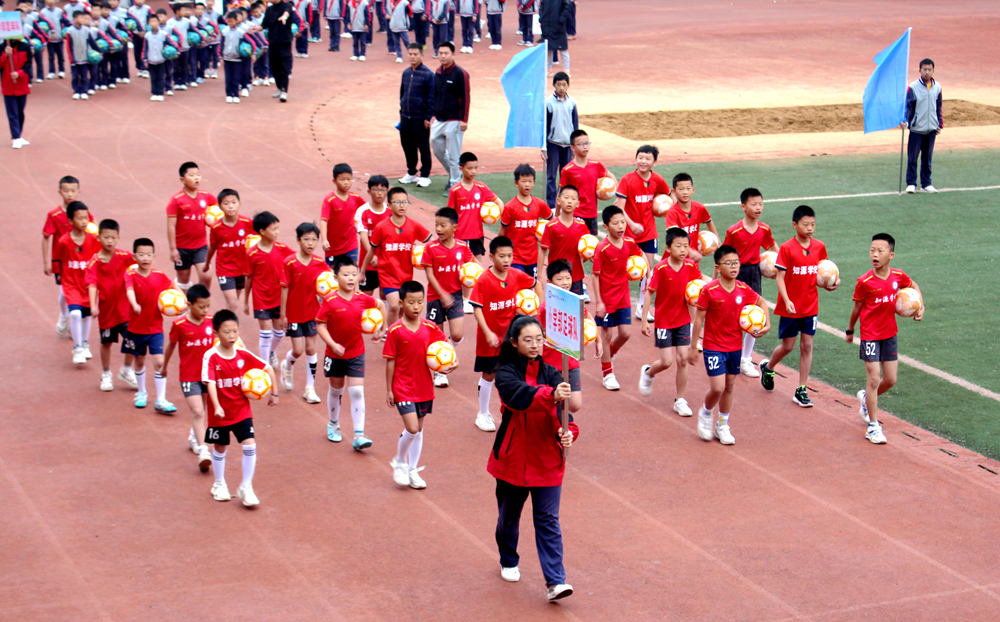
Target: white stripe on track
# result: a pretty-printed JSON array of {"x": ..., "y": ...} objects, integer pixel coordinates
[{"x": 853, "y": 196}]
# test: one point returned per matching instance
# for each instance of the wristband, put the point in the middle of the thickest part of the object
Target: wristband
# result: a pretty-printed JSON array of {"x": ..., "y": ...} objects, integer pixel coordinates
[{"x": 849, "y": 331}]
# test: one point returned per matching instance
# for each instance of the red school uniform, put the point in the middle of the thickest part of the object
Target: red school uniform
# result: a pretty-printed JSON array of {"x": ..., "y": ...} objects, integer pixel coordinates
[
  {"x": 671, "y": 309},
  {"x": 227, "y": 374},
  {"x": 561, "y": 243},
  {"x": 521, "y": 221},
  {"x": 147, "y": 291},
  {"x": 193, "y": 341},
  {"x": 412, "y": 380},
  {"x": 690, "y": 221},
  {"x": 393, "y": 247},
  {"x": 343, "y": 319},
  {"x": 496, "y": 299},
  {"x": 584, "y": 178},
  {"x": 190, "y": 214},
  {"x": 265, "y": 270},
  {"x": 366, "y": 218},
  {"x": 468, "y": 204},
  {"x": 878, "y": 303},
  {"x": 300, "y": 279},
  {"x": 800, "y": 266},
  {"x": 445, "y": 263},
  {"x": 339, "y": 216},
  {"x": 57, "y": 225},
  {"x": 109, "y": 278},
  {"x": 722, "y": 320},
  {"x": 609, "y": 267},
  {"x": 73, "y": 259},
  {"x": 230, "y": 244},
  {"x": 638, "y": 194},
  {"x": 748, "y": 244}
]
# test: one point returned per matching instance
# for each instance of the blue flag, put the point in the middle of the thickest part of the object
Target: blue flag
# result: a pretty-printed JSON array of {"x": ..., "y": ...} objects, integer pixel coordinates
[
  {"x": 523, "y": 83},
  {"x": 884, "y": 100}
]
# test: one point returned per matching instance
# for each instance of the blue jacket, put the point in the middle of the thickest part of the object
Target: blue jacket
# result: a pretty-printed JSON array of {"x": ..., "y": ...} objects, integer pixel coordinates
[{"x": 416, "y": 93}]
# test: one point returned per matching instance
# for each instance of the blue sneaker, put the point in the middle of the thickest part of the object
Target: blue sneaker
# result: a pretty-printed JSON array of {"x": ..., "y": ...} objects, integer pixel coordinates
[
  {"x": 163, "y": 406},
  {"x": 333, "y": 432},
  {"x": 140, "y": 400},
  {"x": 200, "y": 80},
  {"x": 360, "y": 442}
]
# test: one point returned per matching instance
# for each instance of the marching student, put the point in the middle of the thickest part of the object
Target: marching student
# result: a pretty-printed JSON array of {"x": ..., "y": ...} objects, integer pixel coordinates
[
  {"x": 265, "y": 265},
  {"x": 105, "y": 279},
  {"x": 299, "y": 305}
]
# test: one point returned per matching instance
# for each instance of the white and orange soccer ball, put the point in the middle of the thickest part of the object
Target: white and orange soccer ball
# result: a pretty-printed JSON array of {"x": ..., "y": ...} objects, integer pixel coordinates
[
  {"x": 662, "y": 203},
  {"x": 527, "y": 301},
  {"x": 752, "y": 319},
  {"x": 417, "y": 255},
  {"x": 767, "y": 267},
  {"x": 635, "y": 267},
  {"x": 606, "y": 189},
  {"x": 540, "y": 229},
  {"x": 172, "y": 303},
  {"x": 256, "y": 384},
  {"x": 490, "y": 212},
  {"x": 693, "y": 289},
  {"x": 326, "y": 283},
  {"x": 371, "y": 321},
  {"x": 908, "y": 302},
  {"x": 827, "y": 273},
  {"x": 213, "y": 213},
  {"x": 587, "y": 246},
  {"x": 92, "y": 229},
  {"x": 469, "y": 273},
  {"x": 441, "y": 357},
  {"x": 708, "y": 242},
  {"x": 589, "y": 331},
  {"x": 252, "y": 241}
]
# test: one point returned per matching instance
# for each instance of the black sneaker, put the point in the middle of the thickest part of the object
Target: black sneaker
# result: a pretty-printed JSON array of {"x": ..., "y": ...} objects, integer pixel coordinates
[
  {"x": 802, "y": 398},
  {"x": 767, "y": 377}
]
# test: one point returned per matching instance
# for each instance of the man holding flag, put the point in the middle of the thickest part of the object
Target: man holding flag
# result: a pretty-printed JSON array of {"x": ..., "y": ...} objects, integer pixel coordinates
[{"x": 923, "y": 117}]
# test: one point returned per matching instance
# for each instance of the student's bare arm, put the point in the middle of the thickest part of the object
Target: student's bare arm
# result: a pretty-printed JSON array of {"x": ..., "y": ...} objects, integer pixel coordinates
[
  {"x": 175, "y": 255},
  {"x": 855, "y": 314},
  {"x": 390, "y": 371}
]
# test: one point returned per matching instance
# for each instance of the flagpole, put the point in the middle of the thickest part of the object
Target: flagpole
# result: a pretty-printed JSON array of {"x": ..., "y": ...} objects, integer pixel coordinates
[{"x": 902, "y": 139}]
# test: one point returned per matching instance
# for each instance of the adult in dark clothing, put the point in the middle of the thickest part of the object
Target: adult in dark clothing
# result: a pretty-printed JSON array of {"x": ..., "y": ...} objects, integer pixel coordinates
[
  {"x": 552, "y": 17},
  {"x": 924, "y": 118},
  {"x": 278, "y": 23},
  {"x": 416, "y": 109},
  {"x": 451, "y": 112},
  {"x": 15, "y": 80}
]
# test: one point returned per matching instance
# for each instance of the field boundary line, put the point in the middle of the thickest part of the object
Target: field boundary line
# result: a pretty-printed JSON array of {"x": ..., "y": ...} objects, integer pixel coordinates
[{"x": 853, "y": 196}]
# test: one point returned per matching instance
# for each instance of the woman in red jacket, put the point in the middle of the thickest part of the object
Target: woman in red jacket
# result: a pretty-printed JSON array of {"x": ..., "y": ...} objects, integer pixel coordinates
[
  {"x": 15, "y": 83},
  {"x": 527, "y": 457}
]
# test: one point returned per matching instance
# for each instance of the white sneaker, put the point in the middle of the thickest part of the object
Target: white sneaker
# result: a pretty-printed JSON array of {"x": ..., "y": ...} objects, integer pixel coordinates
[
  {"x": 273, "y": 361},
  {"x": 645, "y": 382},
  {"x": 78, "y": 357},
  {"x": 244, "y": 92},
  {"x": 256, "y": 82},
  {"x": 170, "y": 93},
  {"x": 16, "y": 143},
  {"x": 681, "y": 407},
  {"x": 287, "y": 376},
  {"x": 499, "y": 47},
  {"x": 354, "y": 58},
  {"x": 705, "y": 425},
  {"x": 611, "y": 383},
  {"x": 50, "y": 76},
  {"x": 106, "y": 383},
  {"x": 277, "y": 93},
  {"x": 90, "y": 92},
  {"x": 399, "y": 60},
  {"x": 931, "y": 189},
  {"x": 423, "y": 182},
  {"x": 415, "y": 480},
  {"x": 361, "y": 58},
  {"x": 467, "y": 307},
  {"x": 493, "y": 47},
  {"x": 126, "y": 81},
  {"x": 236, "y": 100},
  {"x": 911, "y": 189},
  {"x": 408, "y": 179},
  {"x": 152, "y": 98},
  {"x": 513, "y": 575},
  {"x": 309, "y": 395},
  {"x": 193, "y": 443},
  {"x": 220, "y": 491},
  {"x": 747, "y": 368},
  {"x": 440, "y": 380},
  {"x": 182, "y": 87},
  {"x": 204, "y": 459},
  {"x": 62, "y": 328},
  {"x": 86, "y": 350},
  {"x": 559, "y": 591},
  {"x": 476, "y": 39},
  {"x": 246, "y": 495},
  {"x": 283, "y": 97},
  {"x": 127, "y": 375},
  {"x": 484, "y": 421},
  {"x": 863, "y": 411},
  {"x": 76, "y": 96},
  {"x": 724, "y": 435},
  {"x": 400, "y": 472},
  {"x": 229, "y": 100},
  {"x": 84, "y": 96},
  {"x": 103, "y": 87},
  {"x": 874, "y": 434}
]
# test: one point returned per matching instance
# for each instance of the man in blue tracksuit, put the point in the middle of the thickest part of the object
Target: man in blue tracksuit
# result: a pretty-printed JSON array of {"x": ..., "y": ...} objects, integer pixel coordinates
[{"x": 923, "y": 117}]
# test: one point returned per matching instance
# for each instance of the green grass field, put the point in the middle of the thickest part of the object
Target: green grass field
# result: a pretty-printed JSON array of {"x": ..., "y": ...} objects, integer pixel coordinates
[{"x": 947, "y": 242}]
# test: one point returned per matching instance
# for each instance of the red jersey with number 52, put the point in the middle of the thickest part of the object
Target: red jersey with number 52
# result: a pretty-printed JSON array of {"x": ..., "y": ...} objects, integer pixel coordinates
[
  {"x": 445, "y": 263},
  {"x": 193, "y": 341},
  {"x": 230, "y": 246},
  {"x": 671, "y": 309},
  {"x": 227, "y": 374},
  {"x": 878, "y": 303},
  {"x": 496, "y": 299},
  {"x": 300, "y": 279},
  {"x": 722, "y": 320},
  {"x": 412, "y": 381}
]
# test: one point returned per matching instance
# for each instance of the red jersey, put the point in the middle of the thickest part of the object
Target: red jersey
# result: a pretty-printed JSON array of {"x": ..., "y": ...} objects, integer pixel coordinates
[
  {"x": 393, "y": 247},
  {"x": 561, "y": 242},
  {"x": 521, "y": 221},
  {"x": 109, "y": 278},
  {"x": 496, "y": 299},
  {"x": 343, "y": 319},
  {"x": 445, "y": 263},
  {"x": 671, "y": 309},
  {"x": 230, "y": 244},
  {"x": 584, "y": 178},
  {"x": 227, "y": 374},
  {"x": 366, "y": 218},
  {"x": 412, "y": 381},
  {"x": 265, "y": 270},
  {"x": 73, "y": 260},
  {"x": 550, "y": 355},
  {"x": 468, "y": 204},
  {"x": 748, "y": 244},
  {"x": 190, "y": 215},
  {"x": 57, "y": 225},
  {"x": 638, "y": 195},
  {"x": 878, "y": 303},
  {"x": 147, "y": 294},
  {"x": 339, "y": 217},
  {"x": 300, "y": 279},
  {"x": 609, "y": 267},
  {"x": 193, "y": 341},
  {"x": 800, "y": 266},
  {"x": 722, "y": 322},
  {"x": 689, "y": 221}
]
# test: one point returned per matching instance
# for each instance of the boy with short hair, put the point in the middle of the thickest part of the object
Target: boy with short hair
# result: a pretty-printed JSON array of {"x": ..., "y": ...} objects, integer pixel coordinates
[
  {"x": 467, "y": 10},
  {"x": 687, "y": 214},
  {"x": 153, "y": 42},
  {"x": 57, "y": 20},
  {"x": 874, "y": 303},
  {"x": 408, "y": 381},
  {"x": 74, "y": 251},
  {"x": 672, "y": 319},
  {"x": 265, "y": 265},
  {"x": 493, "y": 300},
  {"x": 232, "y": 35},
  {"x": 610, "y": 283},
  {"x": 186, "y": 227},
  {"x": 526, "y": 10},
  {"x": 561, "y": 120},
  {"x": 519, "y": 220},
  {"x": 299, "y": 305},
  {"x": 79, "y": 41},
  {"x": 336, "y": 223},
  {"x": 338, "y": 322},
  {"x": 719, "y": 306},
  {"x": 359, "y": 20},
  {"x": 365, "y": 219},
  {"x": 57, "y": 225},
  {"x": 583, "y": 173},
  {"x": 798, "y": 305},
  {"x": 228, "y": 239},
  {"x": 105, "y": 279},
  {"x": 467, "y": 198},
  {"x": 562, "y": 236},
  {"x": 178, "y": 26},
  {"x": 222, "y": 370}
]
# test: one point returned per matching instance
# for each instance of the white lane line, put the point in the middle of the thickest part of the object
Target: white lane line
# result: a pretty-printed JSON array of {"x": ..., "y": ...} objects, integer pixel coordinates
[{"x": 853, "y": 196}]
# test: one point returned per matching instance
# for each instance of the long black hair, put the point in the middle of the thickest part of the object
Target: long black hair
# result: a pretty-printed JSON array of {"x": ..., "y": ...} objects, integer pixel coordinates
[{"x": 508, "y": 351}]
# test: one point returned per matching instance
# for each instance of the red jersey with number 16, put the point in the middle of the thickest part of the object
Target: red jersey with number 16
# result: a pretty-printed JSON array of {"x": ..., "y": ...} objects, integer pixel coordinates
[
  {"x": 265, "y": 269},
  {"x": 229, "y": 242},
  {"x": 147, "y": 291},
  {"x": 300, "y": 279},
  {"x": 193, "y": 341},
  {"x": 227, "y": 374},
  {"x": 878, "y": 303},
  {"x": 412, "y": 381},
  {"x": 722, "y": 320},
  {"x": 190, "y": 214},
  {"x": 496, "y": 299}
]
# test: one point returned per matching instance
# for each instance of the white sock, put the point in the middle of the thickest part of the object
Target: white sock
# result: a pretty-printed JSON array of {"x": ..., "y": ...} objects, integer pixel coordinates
[
  {"x": 191, "y": 436},
  {"x": 357, "y": 408},
  {"x": 76, "y": 327},
  {"x": 642, "y": 293},
  {"x": 184, "y": 286},
  {"x": 249, "y": 463},
  {"x": 333, "y": 397},
  {"x": 290, "y": 359},
  {"x": 416, "y": 447},
  {"x": 140, "y": 380},
  {"x": 278, "y": 335},
  {"x": 265, "y": 345},
  {"x": 219, "y": 465},
  {"x": 63, "y": 306},
  {"x": 403, "y": 448},
  {"x": 485, "y": 391},
  {"x": 161, "y": 386},
  {"x": 311, "y": 376},
  {"x": 85, "y": 329},
  {"x": 454, "y": 343},
  {"x": 748, "y": 343}
]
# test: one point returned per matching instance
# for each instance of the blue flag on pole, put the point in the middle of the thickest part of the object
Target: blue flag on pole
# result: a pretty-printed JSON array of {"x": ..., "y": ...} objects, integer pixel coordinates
[
  {"x": 523, "y": 83},
  {"x": 884, "y": 100}
]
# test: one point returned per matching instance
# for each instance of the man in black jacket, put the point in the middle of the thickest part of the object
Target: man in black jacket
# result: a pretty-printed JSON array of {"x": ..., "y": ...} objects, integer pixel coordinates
[
  {"x": 278, "y": 22},
  {"x": 451, "y": 112},
  {"x": 416, "y": 108}
]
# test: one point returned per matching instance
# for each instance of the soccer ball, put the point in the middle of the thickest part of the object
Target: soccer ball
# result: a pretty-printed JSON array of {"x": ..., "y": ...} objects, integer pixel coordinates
[
  {"x": 371, "y": 321},
  {"x": 256, "y": 384},
  {"x": 767, "y": 269},
  {"x": 252, "y": 241},
  {"x": 469, "y": 273},
  {"x": 662, "y": 203},
  {"x": 169, "y": 52},
  {"x": 94, "y": 57},
  {"x": 587, "y": 246},
  {"x": 172, "y": 303},
  {"x": 441, "y": 357},
  {"x": 752, "y": 319},
  {"x": 417, "y": 255},
  {"x": 708, "y": 242},
  {"x": 589, "y": 331},
  {"x": 92, "y": 228},
  {"x": 693, "y": 289},
  {"x": 540, "y": 229},
  {"x": 245, "y": 50},
  {"x": 490, "y": 212},
  {"x": 827, "y": 273},
  {"x": 326, "y": 283},
  {"x": 213, "y": 213},
  {"x": 636, "y": 267},
  {"x": 193, "y": 37},
  {"x": 527, "y": 301},
  {"x": 605, "y": 189},
  {"x": 908, "y": 302}
]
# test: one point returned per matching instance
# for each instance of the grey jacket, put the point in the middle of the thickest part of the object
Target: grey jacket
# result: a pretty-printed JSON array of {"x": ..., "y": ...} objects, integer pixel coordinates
[
  {"x": 923, "y": 107},
  {"x": 399, "y": 20},
  {"x": 562, "y": 119},
  {"x": 152, "y": 46}
]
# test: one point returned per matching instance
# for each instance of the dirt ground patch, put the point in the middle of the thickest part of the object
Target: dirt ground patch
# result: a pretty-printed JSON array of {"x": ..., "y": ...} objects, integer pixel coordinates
[{"x": 676, "y": 124}]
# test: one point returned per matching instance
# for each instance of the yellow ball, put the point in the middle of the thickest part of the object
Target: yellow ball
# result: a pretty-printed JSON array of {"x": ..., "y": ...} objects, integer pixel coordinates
[
  {"x": 752, "y": 319},
  {"x": 693, "y": 290},
  {"x": 589, "y": 331},
  {"x": 767, "y": 268},
  {"x": 256, "y": 384},
  {"x": 213, "y": 213},
  {"x": 92, "y": 229},
  {"x": 587, "y": 246},
  {"x": 527, "y": 301},
  {"x": 326, "y": 283},
  {"x": 469, "y": 273},
  {"x": 708, "y": 242},
  {"x": 371, "y": 321},
  {"x": 606, "y": 189},
  {"x": 441, "y": 356},
  {"x": 636, "y": 267},
  {"x": 908, "y": 302},
  {"x": 172, "y": 303},
  {"x": 490, "y": 212}
]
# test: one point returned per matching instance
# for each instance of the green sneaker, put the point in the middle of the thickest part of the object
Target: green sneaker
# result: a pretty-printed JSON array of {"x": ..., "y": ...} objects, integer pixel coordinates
[{"x": 766, "y": 376}]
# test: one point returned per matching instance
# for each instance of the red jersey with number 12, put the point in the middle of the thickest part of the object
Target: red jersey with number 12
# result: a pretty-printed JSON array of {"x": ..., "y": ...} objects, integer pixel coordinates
[{"x": 227, "y": 374}]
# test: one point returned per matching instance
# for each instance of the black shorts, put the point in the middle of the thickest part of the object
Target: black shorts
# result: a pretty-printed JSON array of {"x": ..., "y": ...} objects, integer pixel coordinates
[
  {"x": 880, "y": 351},
  {"x": 110, "y": 335},
  {"x": 194, "y": 389},
  {"x": 338, "y": 368},
  {"x": 591, "y": 224},
  {"x": 267, "y": 314},
  {"x": 219, "y": 435},
  {"x": 574, "y": 379},
  {"x": 84, "y": 311},
  {"x": 371, "y": 281},
  {"x": 421, "y": 408},
  {"x": 191, "y": 256},
  {"x": 577, "y": 287},
  {"x": 58, "y": 277},
  {"x": 476, "y": 246},
  {"x": 673, "y": 337},
  {"x": 486, "y": 364},
  {"x": 301, "y": 329},
  {"x": 438, "y": 314},
  {"x": 231, "y": 282},
  {"x": 750, "y": 274}
]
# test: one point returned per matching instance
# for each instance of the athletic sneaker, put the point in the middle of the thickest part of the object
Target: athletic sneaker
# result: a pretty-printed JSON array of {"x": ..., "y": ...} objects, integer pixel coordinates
[
  {"x": 911, "y": 189},
  {"x": 360, "y": 442},
  {"x": 766, "y": 376},
  {"x": 400, "y": 472},
  {"x": 724, "y": 435},
  {"x": 273, "y": 361},
  {"x": 126, "y": 375},
  {"x": 86, "y": 350},
  {"x": 423, "y": 182},
  {"x": 801, "y": 398},
  {"x": 246, "y": 495},
  {"x": 204, "y": 459},
  {"x": 874, "y": 433},
  {"x": 610, "y": 382},
  {"x": 220, "y": 491},
  {"x": 559, "y": 591},
  {"x": 513, "y": 575},
  {"x": 333, "y": 432},
  {"x": 440, "y": 380},
  {"x": 484, "y": 421},
  {"x": 681, "y": 407},
  {"x": 229, "y": 100},
  {"x": 165, "y": 407},
  {"x": 78, "y": 356},
  {"x": 309, "y": 395},
  {"x": 408, "y": 179},
  {"x": 864, "y": 407},
  {"x": 415, "y": 480},
  {"x": 193, "y": 443},
  {"x": 705, "y": 425},
  {"x": 62, "y": 328},
  {"x": 645, "y": 381},
  {"x": 106, "y": 383},
  {"x": 354, "y": 58},
  {"x": 140, "y": 400},
  {"x": 283, "y": 97},
  {"x": 747, "y": 368},
  {"x": 287, "y": 376},
  {"x": 930, "y": 188},
  {"x": 244, "y": 92}
]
